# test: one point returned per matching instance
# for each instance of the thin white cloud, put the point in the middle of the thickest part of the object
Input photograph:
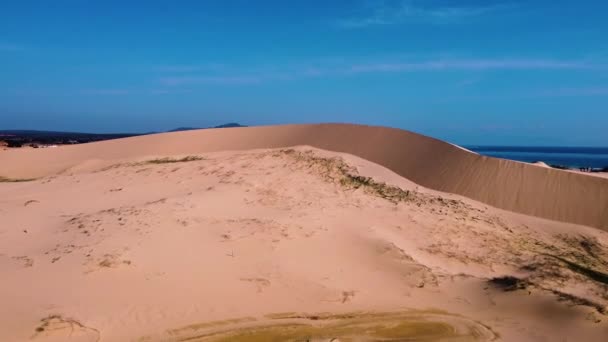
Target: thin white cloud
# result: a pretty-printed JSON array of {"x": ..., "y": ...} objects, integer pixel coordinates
[
  {"x": 583, "y": 91},
  {"x": 106, "y": 92},
  {"x": 124, "y": 91},
  {"x": 168, "y": 91},
  {"x": 189, "y": 68},
  {"x": 253, "y": 75},
  {"x": 468, "y": 82},
  {"x": 470, "y": 64},
  {"x": 225, "y": 80},
  {"x": 399, "y": 12},
  {"x": 160, "y": 91}
]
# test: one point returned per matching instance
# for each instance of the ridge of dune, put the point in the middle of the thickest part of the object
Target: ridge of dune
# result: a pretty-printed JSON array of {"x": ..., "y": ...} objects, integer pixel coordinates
[
  {"x": 541, "y": 164},
  {"x": 432, "y": 163}
]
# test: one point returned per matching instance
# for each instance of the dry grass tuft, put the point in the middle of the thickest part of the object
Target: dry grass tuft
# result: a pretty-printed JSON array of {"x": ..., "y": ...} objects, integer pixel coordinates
[
  {"x": 15, "y": 180},
  {"x": 58, "y": 322},
  {"x": 173, "y": 160},
  {"x": 575, "y": 300},
  {"x": 336, "y": 170}
]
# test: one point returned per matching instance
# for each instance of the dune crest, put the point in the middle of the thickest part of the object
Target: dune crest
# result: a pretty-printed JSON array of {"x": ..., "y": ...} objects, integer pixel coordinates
[{"x": 509, "y": 185}]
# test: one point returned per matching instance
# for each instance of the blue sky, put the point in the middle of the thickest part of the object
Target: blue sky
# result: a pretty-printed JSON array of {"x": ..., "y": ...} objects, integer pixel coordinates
[{"x": 470, "y": 72}]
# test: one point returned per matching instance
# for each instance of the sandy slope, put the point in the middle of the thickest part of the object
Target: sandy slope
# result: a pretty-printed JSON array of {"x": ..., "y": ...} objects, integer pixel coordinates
[
  {"x": 514, "y": 186},
  {"x": 541, "y": 164},
  {"x": 281, "y": 244},
  {"x": 593, "y": 174}
]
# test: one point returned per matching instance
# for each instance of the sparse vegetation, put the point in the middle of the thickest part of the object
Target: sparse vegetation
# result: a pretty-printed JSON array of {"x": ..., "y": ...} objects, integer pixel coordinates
[
  {"x": 570, "y": 259},
  {"x": 583, "y": 255},
  {"x": 57, "y": 322},
  {"x": 158, "y": 161},
  {"x": 14, "y": 144},
  {"x": 585, "y": 271},
  {"x": 106, "y": 263},
  {"x": 582, "y": 250},
  {"x": 336, "y": 170},
  {"x": 47, "y": 321},
  {"x": 14, "y": 180},
  {"x": 173, "y": 160},
  {"x": 575, "y": 300},
  {"x": 391, "y": 193}
]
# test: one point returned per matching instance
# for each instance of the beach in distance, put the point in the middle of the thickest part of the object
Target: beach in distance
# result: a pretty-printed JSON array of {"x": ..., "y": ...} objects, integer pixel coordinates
[{"x": 568, "y": 157}]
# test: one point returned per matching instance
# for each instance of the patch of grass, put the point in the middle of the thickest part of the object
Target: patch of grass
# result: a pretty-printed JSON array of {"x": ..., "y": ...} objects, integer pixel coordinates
[
  {"x": 173, "y": 160},
  {"x": 590, "y": 245},
  {"x": 338, "y": 171},
  {"x": 335, "y": 169},
  {"x": 584, "y": 255},
  {"x": 582, "y": 270},
  {"x": 579, "y": 258},
  {"x": 391, "y": 193},
  {"x": 566, "y": 297}
]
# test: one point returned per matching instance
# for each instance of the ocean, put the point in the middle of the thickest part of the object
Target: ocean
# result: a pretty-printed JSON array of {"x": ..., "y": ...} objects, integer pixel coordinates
[{"x": 573, "y": 157}]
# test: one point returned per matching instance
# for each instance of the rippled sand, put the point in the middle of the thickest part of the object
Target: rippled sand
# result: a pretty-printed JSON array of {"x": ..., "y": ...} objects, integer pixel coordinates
[{"x": 394, "y": 326}]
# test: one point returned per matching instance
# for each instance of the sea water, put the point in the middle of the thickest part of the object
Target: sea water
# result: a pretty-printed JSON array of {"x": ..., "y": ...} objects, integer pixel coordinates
[{"x": 573, "y": 157}]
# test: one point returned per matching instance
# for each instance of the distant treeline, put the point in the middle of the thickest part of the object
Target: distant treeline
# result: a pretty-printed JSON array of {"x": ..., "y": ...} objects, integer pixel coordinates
[
  {"x": 18, "y": 138},
  {"x": 539, "y": 149},
  {"x": 586, "y": 169}
]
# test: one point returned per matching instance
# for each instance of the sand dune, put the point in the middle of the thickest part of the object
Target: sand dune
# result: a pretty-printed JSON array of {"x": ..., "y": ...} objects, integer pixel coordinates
[
  {"x": 514, "y": 186},
  {"x": 541, "y": 164},
  {"x": 280, "y": 245}
]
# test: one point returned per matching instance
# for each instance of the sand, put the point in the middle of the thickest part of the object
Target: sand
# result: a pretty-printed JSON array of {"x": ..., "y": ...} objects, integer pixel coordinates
[
  {"x": 277, "y": 244},
  {"x": 510, "y": 185},
  {"x": 541, "y": 164},
  {"x": 593, "y": 174}
]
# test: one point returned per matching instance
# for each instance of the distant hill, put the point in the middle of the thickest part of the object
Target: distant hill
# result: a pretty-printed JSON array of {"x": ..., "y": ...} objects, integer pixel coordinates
[
  {"x": 180, "y": 129},
  {"x": 228, "y": 125},
  {"x": 36, "y": 133}
]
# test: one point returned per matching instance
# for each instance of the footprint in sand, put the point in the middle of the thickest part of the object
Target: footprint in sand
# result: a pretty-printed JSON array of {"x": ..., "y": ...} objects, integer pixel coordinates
[
  {"x": 27, "y": 261},
  {"x": 107, "y": 261},
  {"x": 345, "y": 297},
  {"x": 260, "y": 283}
]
